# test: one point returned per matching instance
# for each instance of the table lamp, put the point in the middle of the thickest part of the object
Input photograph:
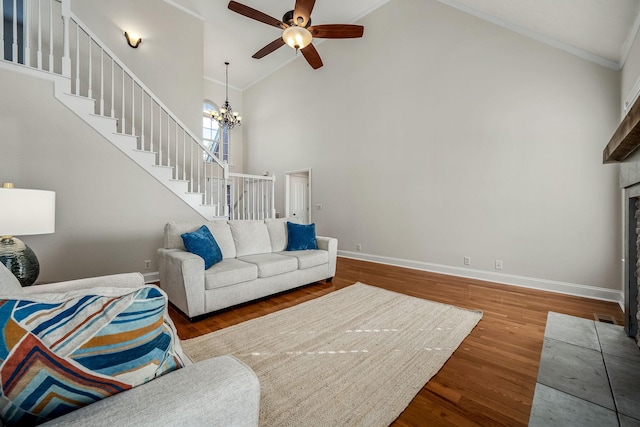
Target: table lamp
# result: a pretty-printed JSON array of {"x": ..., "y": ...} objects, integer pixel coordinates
[{"x": 24, "y": 212}]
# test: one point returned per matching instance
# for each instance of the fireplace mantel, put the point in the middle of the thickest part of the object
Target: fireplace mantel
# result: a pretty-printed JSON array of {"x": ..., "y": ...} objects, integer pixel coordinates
[{"x": 626, "y": 138}]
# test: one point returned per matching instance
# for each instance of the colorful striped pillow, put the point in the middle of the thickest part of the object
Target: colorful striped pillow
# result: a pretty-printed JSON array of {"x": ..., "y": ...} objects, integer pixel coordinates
[{"x": 59, "y": 352}]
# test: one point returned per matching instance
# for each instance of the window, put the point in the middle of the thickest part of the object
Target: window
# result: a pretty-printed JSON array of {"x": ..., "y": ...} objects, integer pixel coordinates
[{"x": 213, "y": 137}]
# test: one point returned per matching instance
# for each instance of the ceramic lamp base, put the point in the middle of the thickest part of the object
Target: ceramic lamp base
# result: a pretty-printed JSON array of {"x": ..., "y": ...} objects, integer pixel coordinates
[{"x": 20, "y": 260}]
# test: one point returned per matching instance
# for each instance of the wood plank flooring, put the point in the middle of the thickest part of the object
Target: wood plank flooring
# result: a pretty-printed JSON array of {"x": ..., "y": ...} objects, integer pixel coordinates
[{"x": 490, "y": 379}]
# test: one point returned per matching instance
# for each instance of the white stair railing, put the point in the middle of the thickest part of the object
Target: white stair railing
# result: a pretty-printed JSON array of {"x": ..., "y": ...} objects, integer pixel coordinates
[
  {"x": 65, "y": 46},
  {"x": 251, "y": 196},
  {"x": 50, "y": 38}
]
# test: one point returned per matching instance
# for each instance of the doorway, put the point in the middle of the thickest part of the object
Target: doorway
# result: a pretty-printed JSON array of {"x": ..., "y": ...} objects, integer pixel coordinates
[{"x": 298, "y": 195}]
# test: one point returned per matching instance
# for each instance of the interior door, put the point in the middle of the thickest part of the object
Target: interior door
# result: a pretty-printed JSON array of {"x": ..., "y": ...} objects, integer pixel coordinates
[{"x": 299, "y": 197}]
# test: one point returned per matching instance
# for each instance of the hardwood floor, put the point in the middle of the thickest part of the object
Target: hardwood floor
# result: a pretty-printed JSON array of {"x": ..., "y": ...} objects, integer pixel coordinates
[{"x": 490, "y": 379}]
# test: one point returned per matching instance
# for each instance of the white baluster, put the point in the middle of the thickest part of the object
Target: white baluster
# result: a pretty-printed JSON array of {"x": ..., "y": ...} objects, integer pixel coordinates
[
  {"x": 2, "y": 31},
  {"x": 77, "y": 60},
  {"x": 14, "y": 33},
  {"x": 51, "y": 36},
  {"x": 176, "y": 171},
  {"x": 66, "y": 57},
  {"x": 39, "y": 55},
  {"x": 113, "y": 88},
  {"x": 184, "y": 154},
  {"x": 151, "y": 123},
  {"x": 133, "y": 106},
  {"x": 90, "y": 89},
  {"x": 102, "y": 82},
  {"x": 122, "y": 129},
  {"x": 143, "y": 142},
  {"x": 26, "y": 10},
  {"x": 160, "y": 134}
]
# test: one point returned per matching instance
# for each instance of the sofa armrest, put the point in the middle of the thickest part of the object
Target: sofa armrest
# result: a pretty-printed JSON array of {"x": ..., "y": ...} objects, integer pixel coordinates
[
  {"x": 182, "y": 278},
  {"x": 221, "y": 391},
  {"x": 329, "y": 244},
  {"x": 126, "y": 280}
]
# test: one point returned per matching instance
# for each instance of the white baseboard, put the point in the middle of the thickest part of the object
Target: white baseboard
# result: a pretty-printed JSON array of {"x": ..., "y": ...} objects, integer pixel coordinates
[
  {"x": 574, "y": 289},
  {"x": 151, "y": 277}
]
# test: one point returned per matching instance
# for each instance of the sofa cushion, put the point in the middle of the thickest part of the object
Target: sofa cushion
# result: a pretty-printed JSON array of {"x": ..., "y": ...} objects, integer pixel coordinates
[
  {"x": 301, "y": 237},
  {"x": 272, "y": 264},
  {"x": 62, "y": 351},
  {"x": 9, "y": 284},
  {"x": 219, "y": 230},
  {"x": 307, "y": 259},
  {"x": 250, "y": 237},
  {"x": 229, "y": 272},
  {"x": 202, "y": 243}
]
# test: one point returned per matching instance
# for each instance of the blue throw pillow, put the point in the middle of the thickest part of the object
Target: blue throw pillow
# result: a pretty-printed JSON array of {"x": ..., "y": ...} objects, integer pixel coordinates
[
  {"x": 301, "y": 237},
  {"x": 202, "y": 243}
]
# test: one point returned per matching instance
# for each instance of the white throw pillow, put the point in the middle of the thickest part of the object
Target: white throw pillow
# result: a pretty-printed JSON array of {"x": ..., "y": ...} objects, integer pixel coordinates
[{"x": 250, "y": 237}]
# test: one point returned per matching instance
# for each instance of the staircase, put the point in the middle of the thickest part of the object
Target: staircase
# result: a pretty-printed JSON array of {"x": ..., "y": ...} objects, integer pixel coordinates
[{"x": 49, "y": 41}]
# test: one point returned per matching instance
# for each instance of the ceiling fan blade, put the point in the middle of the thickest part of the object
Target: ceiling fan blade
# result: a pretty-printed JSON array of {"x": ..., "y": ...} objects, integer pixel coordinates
[
  {"x": 255, "y": 14},
  {"x": 312, "y": 56},
  {"x": 303, "y": 10},
  {"x": 336, "y": 31},
  {"x": 277, "y": 43}
]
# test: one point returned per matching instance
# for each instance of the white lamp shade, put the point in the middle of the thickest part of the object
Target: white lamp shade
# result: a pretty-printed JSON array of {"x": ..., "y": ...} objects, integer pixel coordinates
[
  {"x": 25, "y": 212},
  {"x": 297, "y": 37}
]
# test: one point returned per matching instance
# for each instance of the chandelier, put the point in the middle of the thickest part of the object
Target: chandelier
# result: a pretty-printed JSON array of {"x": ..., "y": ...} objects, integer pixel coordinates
[{"x": 227, "y": 117}]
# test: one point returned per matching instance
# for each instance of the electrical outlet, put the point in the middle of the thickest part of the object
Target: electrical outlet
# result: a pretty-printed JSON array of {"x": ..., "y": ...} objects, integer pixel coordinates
[
  {"x": 147, "y": 264},
  {"x": 358, "y": 247},
  {"x": 498, "y": 264},
  {"x": 467, "y": 260}
]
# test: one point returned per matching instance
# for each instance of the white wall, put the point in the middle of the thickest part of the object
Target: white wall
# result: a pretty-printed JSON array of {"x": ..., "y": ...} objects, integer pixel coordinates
[
  {"x": 169, "y": 61},
  {"x": 215, "y": 91},
  {"x": 439, "y": 136}
]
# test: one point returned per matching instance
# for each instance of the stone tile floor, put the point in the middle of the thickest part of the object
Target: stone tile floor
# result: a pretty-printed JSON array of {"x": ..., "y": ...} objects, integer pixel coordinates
[{"x": 589, "y": 375}]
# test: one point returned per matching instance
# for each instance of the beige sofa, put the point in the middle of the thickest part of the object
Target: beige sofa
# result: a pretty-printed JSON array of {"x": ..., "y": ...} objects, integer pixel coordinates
[
  {"x": 217, "y": 391},
  {"x": 255, "y": 264}
]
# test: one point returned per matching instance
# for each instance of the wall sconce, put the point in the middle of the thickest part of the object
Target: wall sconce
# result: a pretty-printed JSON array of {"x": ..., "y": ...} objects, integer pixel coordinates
[{"x": 132, "y": 39}]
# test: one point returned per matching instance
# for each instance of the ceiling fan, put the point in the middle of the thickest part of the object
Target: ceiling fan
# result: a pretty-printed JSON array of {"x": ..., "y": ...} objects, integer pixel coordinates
[{"x": 298, "y": 31}]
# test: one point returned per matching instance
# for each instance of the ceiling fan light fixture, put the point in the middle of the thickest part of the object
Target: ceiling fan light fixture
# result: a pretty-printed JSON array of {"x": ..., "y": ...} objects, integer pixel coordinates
[{"x": 297, "y": 37}]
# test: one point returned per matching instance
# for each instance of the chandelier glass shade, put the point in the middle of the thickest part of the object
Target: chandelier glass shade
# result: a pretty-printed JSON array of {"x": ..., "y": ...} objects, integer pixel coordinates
[
  {"x": 297, "y": 37},
  {"x": 227, "y": 117}
]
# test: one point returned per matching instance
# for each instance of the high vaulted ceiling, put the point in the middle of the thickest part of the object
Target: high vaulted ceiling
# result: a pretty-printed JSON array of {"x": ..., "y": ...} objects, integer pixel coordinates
[{"x": 598, "y": 30}]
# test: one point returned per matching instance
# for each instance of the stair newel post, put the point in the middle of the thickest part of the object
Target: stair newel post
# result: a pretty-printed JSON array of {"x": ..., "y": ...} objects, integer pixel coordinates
[{"x": 66, "y": 57}]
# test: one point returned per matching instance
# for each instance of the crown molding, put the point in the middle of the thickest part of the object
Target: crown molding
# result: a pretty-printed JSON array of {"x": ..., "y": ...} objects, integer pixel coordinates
[{"x": 549, "y": 41}]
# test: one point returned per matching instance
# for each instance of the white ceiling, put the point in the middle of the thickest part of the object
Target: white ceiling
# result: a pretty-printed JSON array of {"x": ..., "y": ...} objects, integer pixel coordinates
[{"x": 598, "y": 30}]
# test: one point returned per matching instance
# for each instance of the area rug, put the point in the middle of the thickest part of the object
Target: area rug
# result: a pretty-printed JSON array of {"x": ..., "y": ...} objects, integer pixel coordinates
[{"x": 354, "y": 357}]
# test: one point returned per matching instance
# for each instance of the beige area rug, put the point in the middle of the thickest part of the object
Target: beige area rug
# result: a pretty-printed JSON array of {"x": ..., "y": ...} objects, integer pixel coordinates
[{"x": 354, "y": 357}]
